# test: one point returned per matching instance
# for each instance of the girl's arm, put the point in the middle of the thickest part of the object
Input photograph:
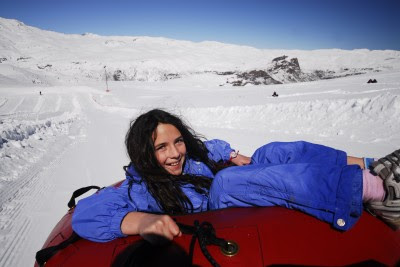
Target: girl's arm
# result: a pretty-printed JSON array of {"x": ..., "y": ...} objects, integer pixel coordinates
[
  {"x": 98, "y": 217},
  {"x": 152, "y": 227},
  {"x": 110, "y": 214},
  {"x": 218, "y": 150},
  {"x": 221, "y": 150}
]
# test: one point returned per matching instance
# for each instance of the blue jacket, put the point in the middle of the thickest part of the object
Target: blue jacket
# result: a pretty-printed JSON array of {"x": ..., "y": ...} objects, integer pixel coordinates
[
  {"x": 98, "y": 217},
  {"x": 308, "y": 177}
]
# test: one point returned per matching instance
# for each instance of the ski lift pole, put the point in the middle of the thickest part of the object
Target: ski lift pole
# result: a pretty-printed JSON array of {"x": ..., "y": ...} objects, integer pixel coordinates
[{"x": 105, "y": 71}]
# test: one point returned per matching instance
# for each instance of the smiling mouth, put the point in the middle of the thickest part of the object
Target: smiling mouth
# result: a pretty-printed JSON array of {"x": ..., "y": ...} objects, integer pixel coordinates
[{"x": 174, "y": 164}]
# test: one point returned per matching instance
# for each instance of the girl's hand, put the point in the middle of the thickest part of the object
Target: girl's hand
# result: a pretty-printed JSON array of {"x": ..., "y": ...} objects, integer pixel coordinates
[
  {"x": 241, "y": 160},
  {"x": 152, "y": 227}
]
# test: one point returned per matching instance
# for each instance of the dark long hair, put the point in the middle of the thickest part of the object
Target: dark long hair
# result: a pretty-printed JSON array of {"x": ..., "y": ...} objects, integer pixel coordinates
[{"x": 164, "y": 187}]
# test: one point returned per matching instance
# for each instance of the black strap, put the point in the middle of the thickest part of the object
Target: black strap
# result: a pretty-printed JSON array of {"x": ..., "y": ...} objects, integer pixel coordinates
[
  {"x": 80, "y": 192},
  {"x": 42, "y": 256}
]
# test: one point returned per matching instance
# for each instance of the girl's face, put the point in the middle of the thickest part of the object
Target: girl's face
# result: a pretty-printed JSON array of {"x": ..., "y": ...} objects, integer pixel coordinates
[{"x": 170, "y": 149}]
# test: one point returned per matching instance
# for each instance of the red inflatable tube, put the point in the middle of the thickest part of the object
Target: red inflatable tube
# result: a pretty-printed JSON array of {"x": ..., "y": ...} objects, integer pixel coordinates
[{"x": 264, "y": 236}]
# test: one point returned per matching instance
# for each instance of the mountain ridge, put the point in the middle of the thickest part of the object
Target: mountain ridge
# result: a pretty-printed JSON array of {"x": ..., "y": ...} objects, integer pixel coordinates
[{"x": 79, "y": 57}]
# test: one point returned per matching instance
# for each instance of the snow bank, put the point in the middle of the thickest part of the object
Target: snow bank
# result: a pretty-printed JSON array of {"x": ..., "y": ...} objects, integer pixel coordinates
[
  {"x": 22, "y": 143},
  {"x": 375, "y": 117}
]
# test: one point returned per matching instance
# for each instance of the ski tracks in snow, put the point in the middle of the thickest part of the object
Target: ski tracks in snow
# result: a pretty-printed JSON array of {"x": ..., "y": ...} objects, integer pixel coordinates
[
  {"x": 24, "y": 196},
  {"x": 25, "y": 158}
]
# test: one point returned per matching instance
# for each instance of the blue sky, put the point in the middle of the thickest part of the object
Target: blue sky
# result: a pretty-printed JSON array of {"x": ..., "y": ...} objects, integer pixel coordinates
[{"x": 270, "y": 24}]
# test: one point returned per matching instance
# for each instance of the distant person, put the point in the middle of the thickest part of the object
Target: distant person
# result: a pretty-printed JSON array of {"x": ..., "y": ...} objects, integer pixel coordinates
[
  {"x": 172, "y": 171},
  {"x": 40, "y": 92},
  {"x": 275, "y": 94}
]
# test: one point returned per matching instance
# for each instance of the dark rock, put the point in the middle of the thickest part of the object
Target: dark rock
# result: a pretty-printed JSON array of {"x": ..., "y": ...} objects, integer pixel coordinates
[
  {"x": 119, "y": 75},
  {"x": 36, "y": 81},
  {"x": 2, "y": 141},
  {"x": 323, "y": 75},
  {"x": 225, "y": 73},
  {"x": 22, "y": 58},
  {"x": 279, "y": 58},
  {"x": 255, "y": 77},
  {"x": 170, "y": 76},
  {"x": 295, "y": 62},
  {"x": 3, "y": 59},
  {"x": 43, "y": 67},
  {"x": 329, "y": 74}
]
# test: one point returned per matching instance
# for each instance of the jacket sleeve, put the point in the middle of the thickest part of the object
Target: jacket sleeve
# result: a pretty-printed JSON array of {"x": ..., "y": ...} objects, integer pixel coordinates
[
  {"x": 98, "y": 217},
  {"x": 218, "y": 150}
]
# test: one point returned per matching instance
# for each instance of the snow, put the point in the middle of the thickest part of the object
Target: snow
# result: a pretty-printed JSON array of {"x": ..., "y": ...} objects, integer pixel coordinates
[{"x": 73, "y": 134}]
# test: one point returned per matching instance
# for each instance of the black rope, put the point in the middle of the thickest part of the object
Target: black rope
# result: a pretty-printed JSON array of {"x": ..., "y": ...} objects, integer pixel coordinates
[{"x": 204, "y": 232}]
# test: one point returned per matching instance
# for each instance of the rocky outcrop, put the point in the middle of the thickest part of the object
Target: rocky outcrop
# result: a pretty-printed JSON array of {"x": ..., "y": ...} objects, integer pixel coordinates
[
  {"x": 329, "y": 74},
  {"x": 119, "y": 75},
  {"x": 255, "y": 77},
  {"x": 286, "y": 71},
  {"x": 279, "y": 71},
  {"x": 134, "y": 75}
]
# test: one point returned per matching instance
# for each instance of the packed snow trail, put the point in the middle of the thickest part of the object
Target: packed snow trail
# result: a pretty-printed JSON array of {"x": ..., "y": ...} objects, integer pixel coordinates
[{"x": 34, "y": 200}]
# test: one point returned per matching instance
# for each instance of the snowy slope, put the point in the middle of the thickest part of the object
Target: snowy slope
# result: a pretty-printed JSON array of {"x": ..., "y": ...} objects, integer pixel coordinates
[
  {"x": 55, "y": 56},
  {"x": 73, "y": 134}
]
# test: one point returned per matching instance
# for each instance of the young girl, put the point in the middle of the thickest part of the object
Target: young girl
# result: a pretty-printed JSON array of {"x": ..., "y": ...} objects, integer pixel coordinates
[{"x": 173, "y": 172}]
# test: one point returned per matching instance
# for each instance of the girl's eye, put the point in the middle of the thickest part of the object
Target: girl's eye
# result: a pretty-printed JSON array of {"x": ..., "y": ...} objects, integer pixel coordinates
[
  {"x": 160, "y": 148},
  {"x": 180, "y": 140}
]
